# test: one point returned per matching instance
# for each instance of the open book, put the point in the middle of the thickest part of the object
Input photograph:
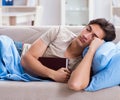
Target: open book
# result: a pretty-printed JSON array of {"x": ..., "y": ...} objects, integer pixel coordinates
[{"x": 54, "y": 63}]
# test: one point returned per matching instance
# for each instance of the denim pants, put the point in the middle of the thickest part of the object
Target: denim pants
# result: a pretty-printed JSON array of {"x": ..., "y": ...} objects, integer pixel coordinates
[{"x": 19, "y": 46}]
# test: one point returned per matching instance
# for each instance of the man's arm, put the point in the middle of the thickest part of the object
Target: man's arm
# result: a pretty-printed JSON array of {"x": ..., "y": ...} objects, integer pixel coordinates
[
  {"x": 80, "y": 77},
  {"x": 30, "y": 62}
]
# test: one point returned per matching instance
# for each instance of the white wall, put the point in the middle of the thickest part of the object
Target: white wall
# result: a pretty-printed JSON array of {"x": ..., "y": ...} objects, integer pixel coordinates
[
  {"x": 51, "y": 12},
  {"x": 101, "y": 8}
]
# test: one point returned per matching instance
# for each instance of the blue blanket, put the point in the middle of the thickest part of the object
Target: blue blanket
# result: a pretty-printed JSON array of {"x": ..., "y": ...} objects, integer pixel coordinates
[{"x": 10, "y": 67}]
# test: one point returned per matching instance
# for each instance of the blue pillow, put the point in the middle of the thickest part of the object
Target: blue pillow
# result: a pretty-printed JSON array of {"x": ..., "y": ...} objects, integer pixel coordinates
[
  {"x": 105, "y": 67},
  {"x": 102, "y": 56},
  {"x": 108, "y": 77}
]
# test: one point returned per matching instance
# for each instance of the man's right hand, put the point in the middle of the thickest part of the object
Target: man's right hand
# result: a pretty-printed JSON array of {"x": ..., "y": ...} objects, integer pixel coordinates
[
  {"x": 61, "y": 75},
  {"x": 95, "y": 44}
]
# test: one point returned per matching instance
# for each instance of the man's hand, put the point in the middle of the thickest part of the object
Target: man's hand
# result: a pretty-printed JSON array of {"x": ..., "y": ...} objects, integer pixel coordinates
[
  {"x": 61, "y": 75},
  {"x": 95, "y": 44}
]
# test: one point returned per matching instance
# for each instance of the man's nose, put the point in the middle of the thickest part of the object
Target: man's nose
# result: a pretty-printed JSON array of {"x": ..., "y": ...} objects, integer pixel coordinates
[{"x": 88, "y": 35}]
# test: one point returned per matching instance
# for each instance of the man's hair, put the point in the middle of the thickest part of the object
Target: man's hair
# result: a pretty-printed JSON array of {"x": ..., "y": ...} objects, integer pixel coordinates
[{"x": 106, "y": 26}]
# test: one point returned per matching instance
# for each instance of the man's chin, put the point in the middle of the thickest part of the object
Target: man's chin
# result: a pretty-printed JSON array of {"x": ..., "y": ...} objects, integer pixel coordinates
[{"x": 82, "y": 45}]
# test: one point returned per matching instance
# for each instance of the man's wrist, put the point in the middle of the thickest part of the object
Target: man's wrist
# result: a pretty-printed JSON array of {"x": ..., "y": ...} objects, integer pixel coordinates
[
  {"x": 51, "y": 73},
  {"x": 91, "y": 51}
]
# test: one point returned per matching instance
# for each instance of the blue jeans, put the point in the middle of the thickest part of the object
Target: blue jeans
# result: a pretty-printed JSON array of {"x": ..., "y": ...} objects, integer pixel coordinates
[{"x": 19, "y": 46}]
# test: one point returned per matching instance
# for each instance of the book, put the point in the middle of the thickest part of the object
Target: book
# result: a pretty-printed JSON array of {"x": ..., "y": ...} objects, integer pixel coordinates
[{"x": 54, "y": 63}]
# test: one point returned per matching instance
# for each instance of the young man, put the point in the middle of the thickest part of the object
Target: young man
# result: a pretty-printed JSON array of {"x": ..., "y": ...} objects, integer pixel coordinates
[{"x": 63, "y": 43}]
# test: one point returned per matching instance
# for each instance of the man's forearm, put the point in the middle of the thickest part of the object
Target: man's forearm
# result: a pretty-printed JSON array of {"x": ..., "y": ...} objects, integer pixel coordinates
[
  {"x": 31, "y": 64},
  {"x": 81, "y": 75}
]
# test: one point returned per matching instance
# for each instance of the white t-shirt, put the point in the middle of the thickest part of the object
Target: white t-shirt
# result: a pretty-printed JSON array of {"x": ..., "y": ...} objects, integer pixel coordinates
[{"x": 57, "y": 39}]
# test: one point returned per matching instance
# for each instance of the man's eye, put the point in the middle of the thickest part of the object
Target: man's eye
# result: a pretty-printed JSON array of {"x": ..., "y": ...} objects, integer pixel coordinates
[
  {"x": 88, "y": 29},
  {"x": 94, "y": 35}
]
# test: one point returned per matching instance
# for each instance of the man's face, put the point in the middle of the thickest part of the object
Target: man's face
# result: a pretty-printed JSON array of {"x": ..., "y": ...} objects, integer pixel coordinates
[{"x": 88, "y": 34}]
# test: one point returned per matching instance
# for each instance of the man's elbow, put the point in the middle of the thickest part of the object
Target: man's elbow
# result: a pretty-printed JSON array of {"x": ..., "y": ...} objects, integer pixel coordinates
[
  {"x": 77, "y": 86},
  {"x": 23, "y": 60}
]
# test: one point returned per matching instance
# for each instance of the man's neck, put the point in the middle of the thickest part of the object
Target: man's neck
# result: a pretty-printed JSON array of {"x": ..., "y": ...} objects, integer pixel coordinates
[{"x": 74, "y": 50}]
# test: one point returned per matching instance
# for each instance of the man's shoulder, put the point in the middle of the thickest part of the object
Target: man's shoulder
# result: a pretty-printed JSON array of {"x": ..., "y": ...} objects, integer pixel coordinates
[{"x": 64, "y": 31}]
